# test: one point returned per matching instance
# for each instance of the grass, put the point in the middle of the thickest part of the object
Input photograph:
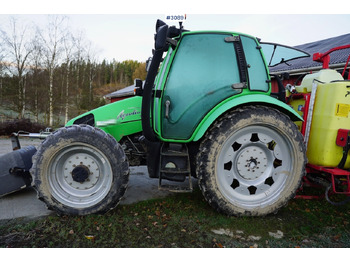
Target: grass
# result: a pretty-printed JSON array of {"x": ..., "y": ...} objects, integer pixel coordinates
[{"x": 186, "y": 220}]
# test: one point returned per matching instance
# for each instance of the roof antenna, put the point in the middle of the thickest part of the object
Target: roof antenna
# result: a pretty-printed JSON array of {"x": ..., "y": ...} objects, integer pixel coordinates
[{"x": 180, "y": 27}]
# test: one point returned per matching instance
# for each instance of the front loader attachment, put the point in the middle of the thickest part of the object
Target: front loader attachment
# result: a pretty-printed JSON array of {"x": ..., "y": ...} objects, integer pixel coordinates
[
  {"x": 14, "y": 170},
  {"x": 15, "y": 166}
]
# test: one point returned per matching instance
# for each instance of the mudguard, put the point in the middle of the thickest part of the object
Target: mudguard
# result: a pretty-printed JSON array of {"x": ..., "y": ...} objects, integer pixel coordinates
[{"x": 257, "y": 99}]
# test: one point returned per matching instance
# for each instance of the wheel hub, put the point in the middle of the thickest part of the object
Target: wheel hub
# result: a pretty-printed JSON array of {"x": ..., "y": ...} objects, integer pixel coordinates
[
  {"x": 80, "y": 173},
  {"x": 252, "y": 163}
]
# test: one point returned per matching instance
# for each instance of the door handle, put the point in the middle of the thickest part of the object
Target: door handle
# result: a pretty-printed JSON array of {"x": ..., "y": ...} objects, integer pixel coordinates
[{"x": 167, "y": 107}]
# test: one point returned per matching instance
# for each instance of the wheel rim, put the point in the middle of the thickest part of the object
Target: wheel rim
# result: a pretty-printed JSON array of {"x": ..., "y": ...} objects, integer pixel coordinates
[
  {"x": 254, "y": 166},
  {"x": 80, "y": 176}
]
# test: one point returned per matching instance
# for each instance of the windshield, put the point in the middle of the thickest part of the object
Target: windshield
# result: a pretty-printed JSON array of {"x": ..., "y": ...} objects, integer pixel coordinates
[{"x": 276, "y": 54}]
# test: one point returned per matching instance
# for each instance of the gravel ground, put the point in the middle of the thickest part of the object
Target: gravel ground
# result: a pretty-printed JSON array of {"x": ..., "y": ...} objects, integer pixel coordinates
[{"x": 6, "y": 145}]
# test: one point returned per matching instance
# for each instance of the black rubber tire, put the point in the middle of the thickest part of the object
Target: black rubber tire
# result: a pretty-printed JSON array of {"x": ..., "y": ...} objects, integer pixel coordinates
[
  {"x": 227, "y": 198},
  {"x": 99, "y": 148}
]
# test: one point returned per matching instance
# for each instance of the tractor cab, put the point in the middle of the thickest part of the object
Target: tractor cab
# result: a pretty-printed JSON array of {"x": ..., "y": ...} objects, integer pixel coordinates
[{"x": 201, "y": 71}]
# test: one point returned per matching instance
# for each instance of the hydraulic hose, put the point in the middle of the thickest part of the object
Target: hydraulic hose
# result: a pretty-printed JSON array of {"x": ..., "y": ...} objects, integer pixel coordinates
[{"x": 335, "y": 203}]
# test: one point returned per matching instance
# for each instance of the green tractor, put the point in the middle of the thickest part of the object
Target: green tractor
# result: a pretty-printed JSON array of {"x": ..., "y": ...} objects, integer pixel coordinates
[{"x": 205, "y": 111}]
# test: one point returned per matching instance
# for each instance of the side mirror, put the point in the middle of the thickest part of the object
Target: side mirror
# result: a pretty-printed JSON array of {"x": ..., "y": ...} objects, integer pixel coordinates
[
  {"x": 138, "y": 83},
  {"x": 160, "y": 38},
  {"x": 138, "y": 91}
]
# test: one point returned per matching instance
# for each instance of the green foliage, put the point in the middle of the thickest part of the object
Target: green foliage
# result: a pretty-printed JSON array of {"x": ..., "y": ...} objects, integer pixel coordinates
[{"x": 86, "y": 82}]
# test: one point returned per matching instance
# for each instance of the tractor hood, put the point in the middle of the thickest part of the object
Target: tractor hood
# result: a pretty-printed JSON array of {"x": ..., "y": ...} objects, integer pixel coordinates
[{"x": 119, "y": 119}]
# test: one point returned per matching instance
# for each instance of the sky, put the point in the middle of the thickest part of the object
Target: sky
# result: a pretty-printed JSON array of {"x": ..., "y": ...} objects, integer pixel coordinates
[{"x": 127, "y": 32}]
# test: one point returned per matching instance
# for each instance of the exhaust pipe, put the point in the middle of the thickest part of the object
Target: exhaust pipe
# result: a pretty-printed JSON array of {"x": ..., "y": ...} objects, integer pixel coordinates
[{"x": 14, "y": 170}]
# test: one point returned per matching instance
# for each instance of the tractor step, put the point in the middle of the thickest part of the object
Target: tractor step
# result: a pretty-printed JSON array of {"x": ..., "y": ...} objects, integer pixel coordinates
[
  {"x": 177, "y": 188},
  {"x": 175, "y": 166}
]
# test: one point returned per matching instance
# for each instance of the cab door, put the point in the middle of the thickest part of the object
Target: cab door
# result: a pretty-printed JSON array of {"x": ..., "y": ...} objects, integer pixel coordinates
[{"x": 202, "y": 75}]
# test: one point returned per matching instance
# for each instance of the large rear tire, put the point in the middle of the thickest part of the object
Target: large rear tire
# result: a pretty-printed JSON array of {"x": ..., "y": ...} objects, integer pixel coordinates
[
  {"x": 251, "y": 162},
  {"x": 80, "y": 170}
]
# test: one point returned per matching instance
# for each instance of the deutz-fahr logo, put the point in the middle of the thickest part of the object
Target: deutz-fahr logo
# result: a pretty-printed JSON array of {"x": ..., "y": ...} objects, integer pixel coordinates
[{"x": 122, "y": 115}]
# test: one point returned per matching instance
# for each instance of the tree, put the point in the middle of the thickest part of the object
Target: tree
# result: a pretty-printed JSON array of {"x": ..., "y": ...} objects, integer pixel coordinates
[
  {"x": 92, "y": 65},
  {"x": 1, "y": 75},
  {"x": 52, "y": 39},
  {"x": 68, "y": 44},
  {"x": 18, "y": 48},
  {"x": 79, "y": 54},
  {"x": 140, "y": 72},
  {"x": 47, "y": 68},
  {"x": 36, "y": 68}
]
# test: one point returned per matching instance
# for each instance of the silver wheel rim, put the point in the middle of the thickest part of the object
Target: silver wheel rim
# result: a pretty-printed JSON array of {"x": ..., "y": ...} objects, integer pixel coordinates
[
  {"x": 80, "y": 176},
  {"x": 254, "y": 166}
]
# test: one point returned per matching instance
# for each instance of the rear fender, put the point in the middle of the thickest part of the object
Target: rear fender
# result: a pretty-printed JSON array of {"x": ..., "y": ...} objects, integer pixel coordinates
[{"x": 255, "y": 99}]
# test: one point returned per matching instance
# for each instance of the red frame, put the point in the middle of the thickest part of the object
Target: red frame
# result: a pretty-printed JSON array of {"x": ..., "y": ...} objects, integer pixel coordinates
[
  {"x": 306, "y": 97},
  {"x": 324, "y": 58}
]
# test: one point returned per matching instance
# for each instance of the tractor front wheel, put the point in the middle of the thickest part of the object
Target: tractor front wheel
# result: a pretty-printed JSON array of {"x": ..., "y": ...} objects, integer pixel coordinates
[
  {"x": 251, "y": 162},
  {"x": 80, "y": 170}
]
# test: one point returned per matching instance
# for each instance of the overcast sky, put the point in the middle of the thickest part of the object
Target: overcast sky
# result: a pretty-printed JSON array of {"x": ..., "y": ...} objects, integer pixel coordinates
[{"x": 130, "y": 36}]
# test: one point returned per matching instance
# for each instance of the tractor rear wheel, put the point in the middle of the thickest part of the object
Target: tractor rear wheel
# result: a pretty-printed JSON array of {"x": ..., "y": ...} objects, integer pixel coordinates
[
  {"x": 251, "y": 162},
  {"x": 80, "y": 170}
]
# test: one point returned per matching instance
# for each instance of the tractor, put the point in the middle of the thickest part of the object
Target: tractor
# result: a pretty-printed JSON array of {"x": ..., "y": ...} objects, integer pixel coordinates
[{"x": 205, "y": 111}]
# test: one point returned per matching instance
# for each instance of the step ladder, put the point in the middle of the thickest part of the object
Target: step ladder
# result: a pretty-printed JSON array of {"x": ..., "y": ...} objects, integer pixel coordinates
[{"x": 175, "y": 167}]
